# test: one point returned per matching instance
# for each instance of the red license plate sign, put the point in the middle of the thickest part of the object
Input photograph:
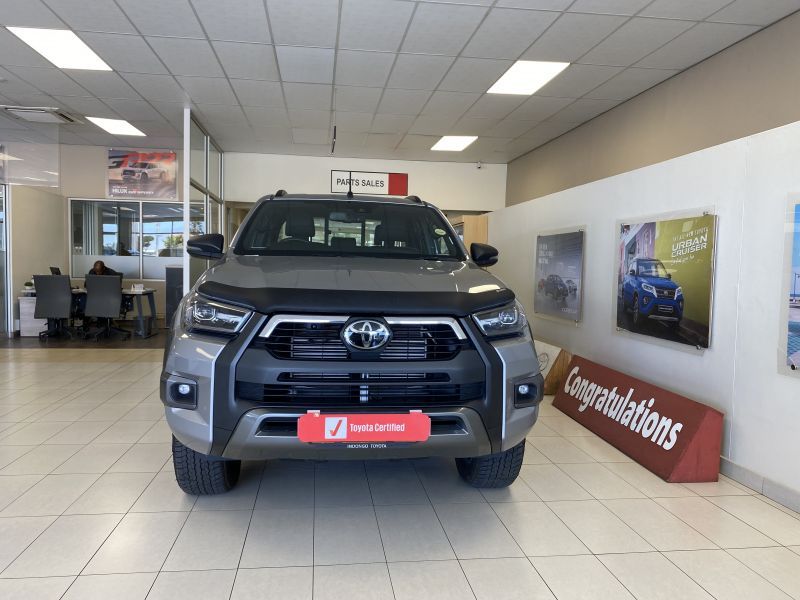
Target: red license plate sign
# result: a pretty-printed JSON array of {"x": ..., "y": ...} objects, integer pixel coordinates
[{"x": 332, "y": 429}]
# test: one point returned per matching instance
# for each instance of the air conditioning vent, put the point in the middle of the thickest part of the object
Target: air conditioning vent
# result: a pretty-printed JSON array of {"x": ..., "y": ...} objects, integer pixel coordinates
[{"x": 40, "y": 114}]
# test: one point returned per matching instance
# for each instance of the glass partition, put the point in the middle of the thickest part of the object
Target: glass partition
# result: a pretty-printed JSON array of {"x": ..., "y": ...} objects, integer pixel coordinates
[
  {"x": 4, "y": 292},
  {"x": 197, "y": 151},
  {"x": 162, "y": 238},
  {"x": 106, "y": 231},
  {"x": 214, "y": 171}
]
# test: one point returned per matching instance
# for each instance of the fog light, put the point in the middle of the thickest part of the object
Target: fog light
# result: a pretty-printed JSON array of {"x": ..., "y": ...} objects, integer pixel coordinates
[
  {"x": 184, "y": 389},
  {"x": 523, "y": 390},
  {"x": 182, "y": 395}
]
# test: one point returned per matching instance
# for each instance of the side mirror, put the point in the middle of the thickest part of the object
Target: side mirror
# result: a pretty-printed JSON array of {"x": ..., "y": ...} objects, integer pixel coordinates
[
  {"x": 483, "y": 255},
  {"x": 669, "y": 275},
  {"x": 211, "y": 245},
  {"x": 632, "y": 272}
]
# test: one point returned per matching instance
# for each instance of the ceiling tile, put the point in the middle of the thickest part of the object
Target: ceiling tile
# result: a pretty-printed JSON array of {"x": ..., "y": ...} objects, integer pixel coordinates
[
  {"x": 756, "y": 12},
  {"x": 472, "y": 126},
  {"x": 391, "y": 123},
  {"x": 258, "y": 93},
  {"x": 305, "y": 65},
  {"x": 133, "y": 110},
  {"x": 694, "y": 10},
  {"x": 634, "y": 40},
  {"x": 349, "y": 140},
  {"x": 124, "y": 52},
  {"x": 697, "y": 44},
  {"x": 538, "y": 108},
  {"x": 403, "y": 102},
  {"x": 576, "y": 80},
  {"x": 495, "y": 106},
  {"x": 511, "y": 128},
  {"x": 507, "y": 33},
  {"x": 313, "y": 119},
  {"x": 171, "y": 111},
  {"x": 630, "y": 82},
  {"x": 157, "y": 17},
  {"x": 156, "y": 87},
  {"x": 419, "y": 142},
  {"x": 356, "y": 99},
  {"x": 308, "y": 96},
  {"x": 208, "y": 90},
  {"x": 14, "y": 52},
  {"x": 267, "y": 117},
  {"x": 609, "y": 7},
  {"x": 352, "y": 121},
  {"x": 104, "y": 84},
  {"x": 187, "y": 57},
  {"x": 247, "y": 61},
  {"x": 49, "y": 80},
  {"x": 442, "y": 28},
  {"x": 572, "y": 36},
  {"x": 536, "y": 4},
  {"x": 12, "y": 84},
  {"x": 474, "y": 74},
  {"x": 92, "y": 16},
  {"x": 582, "y": 110},
  {"x": 433, "y": 124},
  {"x": 28, "y": 13},
  {"x": 221, "y": 114},
  {"x": 310, "y": 22},
  {"x": 419, "y": 71},
  {"x": 246, "y": 21},
  {"x": 373, "y": 24},
  {"x": 452, "y": 104},
  {"x": 382, "y": 141},
  {"x": 87, "y": 106},
  {"x": 370, "y": 69},
  {"x": 310, "y": 136}
]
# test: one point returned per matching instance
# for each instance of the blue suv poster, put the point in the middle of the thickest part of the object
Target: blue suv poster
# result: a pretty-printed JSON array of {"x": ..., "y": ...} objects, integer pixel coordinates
[
  {"x": 665, "y": 279},
  {"x": 559, "y": 275},
  {"x": 793, "y": 341}
]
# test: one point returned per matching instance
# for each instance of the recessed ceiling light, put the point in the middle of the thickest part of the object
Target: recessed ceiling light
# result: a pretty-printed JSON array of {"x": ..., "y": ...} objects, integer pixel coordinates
[
  {"x": 4, "y": 156},
  {"x": 526, "y": 77},
  {"x": 454, "y": 143},
  {"x": 61, "y": 47},
  {"x": 51, "y": 173},
  {"x": 115, "y": 126}
]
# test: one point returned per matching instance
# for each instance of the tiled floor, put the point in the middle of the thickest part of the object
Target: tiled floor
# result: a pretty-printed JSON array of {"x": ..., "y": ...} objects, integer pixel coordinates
[{"x": 89, "y": 509}]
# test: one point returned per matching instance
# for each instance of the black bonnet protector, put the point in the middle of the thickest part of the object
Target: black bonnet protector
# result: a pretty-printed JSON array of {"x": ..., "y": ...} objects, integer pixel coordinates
[{"x": 310, "y": 301}]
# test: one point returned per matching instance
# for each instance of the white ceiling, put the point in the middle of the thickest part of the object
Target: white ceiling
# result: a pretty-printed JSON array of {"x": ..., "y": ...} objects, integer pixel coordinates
[{"x": 393, "y": 75}]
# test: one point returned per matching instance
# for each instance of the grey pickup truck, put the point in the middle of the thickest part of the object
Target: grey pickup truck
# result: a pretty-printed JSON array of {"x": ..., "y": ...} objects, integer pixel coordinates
[{"x": 338, "y": 327}]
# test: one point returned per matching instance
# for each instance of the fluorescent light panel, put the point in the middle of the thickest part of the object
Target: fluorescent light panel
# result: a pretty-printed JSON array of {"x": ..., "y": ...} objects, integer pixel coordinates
[
  {"x": 454, "y": 143},
  {"x": 115, "y": 126},
  {"x": 526, "y": 77},
  {"x": 4, "y": 156},
  {"x": 61, "y": 47}
]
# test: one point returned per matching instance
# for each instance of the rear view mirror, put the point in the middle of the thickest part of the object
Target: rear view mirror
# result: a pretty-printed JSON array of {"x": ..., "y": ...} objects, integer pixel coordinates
[
  {"x": 211, "y": 245},
  {"x": 483, "y": 255}
]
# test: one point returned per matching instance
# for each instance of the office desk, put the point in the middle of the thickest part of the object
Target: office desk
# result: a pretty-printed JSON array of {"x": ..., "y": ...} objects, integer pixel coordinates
[{"x": 146, "y": 324}]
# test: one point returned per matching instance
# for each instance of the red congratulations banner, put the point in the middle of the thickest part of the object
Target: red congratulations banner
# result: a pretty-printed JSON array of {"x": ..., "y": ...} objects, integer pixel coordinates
[
  {"x": 344, "y": 428},
  {"x": 676, "y": 438}
]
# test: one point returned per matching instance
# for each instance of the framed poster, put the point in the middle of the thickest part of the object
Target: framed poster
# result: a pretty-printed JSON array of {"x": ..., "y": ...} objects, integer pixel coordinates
[
  {"x": 558, "y": 275},
  {"x": 142, "y": 174},
  {"x": 665, "y": 277},
  {"x": 790, "y": 324}
]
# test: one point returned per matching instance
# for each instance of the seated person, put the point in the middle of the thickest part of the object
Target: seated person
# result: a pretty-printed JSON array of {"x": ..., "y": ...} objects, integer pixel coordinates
[
  {"x": 100, "y": 268},
  {"x": 79, "y": 300}
]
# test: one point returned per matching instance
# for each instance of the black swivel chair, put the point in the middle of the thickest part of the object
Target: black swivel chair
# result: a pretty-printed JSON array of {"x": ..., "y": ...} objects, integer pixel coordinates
[
  {"x": 103, "y": 302},
  {"x": 54, "y": 303}
]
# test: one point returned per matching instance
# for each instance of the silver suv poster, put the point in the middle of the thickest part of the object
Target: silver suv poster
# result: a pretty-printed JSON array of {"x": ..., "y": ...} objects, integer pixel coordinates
[
  {"x": 142, "y": 174},
  {"x": 559, "y": 275}
]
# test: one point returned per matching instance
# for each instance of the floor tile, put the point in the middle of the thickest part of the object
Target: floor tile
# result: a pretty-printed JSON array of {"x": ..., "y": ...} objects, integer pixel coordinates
[
  {"x": 140, "y": 543},
  {"x": 128, "y": 586},
  {"x": 600, "y": 482},
  {"x": 519, "y": 491},
  {"x": 124, "y": 432},
  {"x": 724, "y": 577},
  {"x": 287, "y": 583},
  {"x": 599, "y": 449},
  {"x": 475, "y": 531},
  {"x": 157, "y": 434},
  {"x": 13, "y": 486},
  {"x": 286, "y": 484},
  {"x": 443, "y": 484},
  {"x": 111, "y": 493},
  {"x": 210, "y": 540},
  {"x": 779, "y": 566},
  {"x": 143, "y": 458},
  {"x": 541, "y": 430},
  {"x": 394, "y": 482},
  {"x": 346, "y": 535},
  {"x": 280, "y": 537},
  {"x": 80, "y": 432},
  {"x": 341, "y": 483},
  {"x": 579, "y": 578},
  {"x": 770, "y": 521},
  {"x": 533, "y": 456},
  {"x": 39, "y": 588},
  {"x": 564, "y": 425},
  {"x": 242, "y": 497},
  {"x": 538, "y": 530},
  {"x": 551, "y": 483},
  {"x": 192, "y": 585},
  {"x": 163, "y": 494},
  {"x": 648, "y": 483},
  {"x": 17, "y": 533},
  {"x": 353, "y": 582},
  {"x": 507, "y": 578},
  {"x": 9, "y": 454},
  {"x": 560, "y": 450},
  {"x": 93, "y": 458},
  {"x": 723, "y": 487},
  {"x": 650, "y": 576},
  {"x": 64, "y": 548},
  {"x": 51, "y": 496},
  {"x": 412, "y": 532},
  {"x": 429, "y": 580},
  {"x": 41, "y": 460},
  {"x": 598, "y": 528}
]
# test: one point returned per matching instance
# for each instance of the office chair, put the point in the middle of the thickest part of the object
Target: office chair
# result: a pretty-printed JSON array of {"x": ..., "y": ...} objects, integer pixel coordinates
[
  {"x": 54, "y": 303},
  {"x": 103, "y": 301}
]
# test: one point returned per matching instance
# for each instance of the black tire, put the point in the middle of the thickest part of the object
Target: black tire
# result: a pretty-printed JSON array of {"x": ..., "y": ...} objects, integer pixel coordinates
[
  {"x": 198, "y": 474},
  {"x": 492, "y": 470}
]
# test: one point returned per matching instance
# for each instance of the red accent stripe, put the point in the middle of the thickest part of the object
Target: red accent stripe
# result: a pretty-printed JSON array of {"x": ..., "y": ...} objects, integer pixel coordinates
[{"x": 398, "y": 184}]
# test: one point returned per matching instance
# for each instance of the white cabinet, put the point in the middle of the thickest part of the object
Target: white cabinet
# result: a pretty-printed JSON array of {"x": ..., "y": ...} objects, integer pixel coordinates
[{"x": 28, "y": 325}]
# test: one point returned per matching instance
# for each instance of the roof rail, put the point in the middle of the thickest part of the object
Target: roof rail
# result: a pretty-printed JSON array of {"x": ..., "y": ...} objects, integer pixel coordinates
[
  {"x": 416, "y": 199},
  {"x": 280, "y": 193}
]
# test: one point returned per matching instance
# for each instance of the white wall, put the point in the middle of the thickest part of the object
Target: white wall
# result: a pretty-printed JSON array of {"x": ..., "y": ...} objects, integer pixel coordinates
[
  {"x": 450, "y": 186},
  {"x": 746, "y": 183}
]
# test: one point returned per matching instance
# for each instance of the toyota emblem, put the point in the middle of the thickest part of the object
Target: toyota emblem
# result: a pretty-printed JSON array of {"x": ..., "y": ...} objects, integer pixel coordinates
[{"x": 366, "y": 334}]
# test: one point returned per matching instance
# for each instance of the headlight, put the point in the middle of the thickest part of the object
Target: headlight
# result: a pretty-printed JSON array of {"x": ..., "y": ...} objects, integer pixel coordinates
[
  {"x": 507, "y": 320},
  {"x": 679, "y": 292},
  {"x": 649, "y": 288},
  {"x": 202, "y": 314}
]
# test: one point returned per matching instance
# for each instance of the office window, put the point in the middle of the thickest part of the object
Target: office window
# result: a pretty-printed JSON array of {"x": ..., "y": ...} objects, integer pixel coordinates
[
  {"x": 107, "y": 231},
  {"x": 214, "y": 170},
  {"x": 197, "y": 154},
  {"x": 162, "y": 238}
]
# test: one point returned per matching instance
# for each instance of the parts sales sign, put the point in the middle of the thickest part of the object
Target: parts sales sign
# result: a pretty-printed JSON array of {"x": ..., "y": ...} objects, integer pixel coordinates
[
  {"x": 365, "y": 182},
  {"x": 676, "y": 438}
]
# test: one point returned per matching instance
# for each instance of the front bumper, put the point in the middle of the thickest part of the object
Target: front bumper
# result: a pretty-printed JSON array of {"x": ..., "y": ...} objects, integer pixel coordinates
[
  {"x": 661, "y": 309},
  {"x": 225, "y": 425}
]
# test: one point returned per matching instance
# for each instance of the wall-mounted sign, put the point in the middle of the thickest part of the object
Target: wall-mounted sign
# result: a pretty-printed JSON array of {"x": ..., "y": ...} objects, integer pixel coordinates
[
  {"x": 791, "y": 357},
  {"x": 676, "y": 438},
  {"x": 373, "y": 184},
  {"x": 559, "y": 275},
  {"x": 142, "y": 174}
]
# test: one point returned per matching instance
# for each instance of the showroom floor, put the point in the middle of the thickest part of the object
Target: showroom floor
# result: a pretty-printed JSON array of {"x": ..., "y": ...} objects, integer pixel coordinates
[{"x": 89, "y": 509}]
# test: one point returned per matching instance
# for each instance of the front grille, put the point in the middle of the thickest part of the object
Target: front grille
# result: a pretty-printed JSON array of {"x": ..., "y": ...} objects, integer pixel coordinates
[
  {"x": 322, "y": 341},
  {"x": 664, "y": 293}
]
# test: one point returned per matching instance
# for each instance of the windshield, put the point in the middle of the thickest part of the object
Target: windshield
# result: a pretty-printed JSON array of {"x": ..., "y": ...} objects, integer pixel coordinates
[
  {"x": 346, "y": 228},
  {"x": 140, "y": 165},
  {"x": 652, "y": 268}
]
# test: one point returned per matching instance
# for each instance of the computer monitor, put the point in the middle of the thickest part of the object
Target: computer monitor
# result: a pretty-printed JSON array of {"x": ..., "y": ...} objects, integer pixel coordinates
[{"x": 55, "y": 271}]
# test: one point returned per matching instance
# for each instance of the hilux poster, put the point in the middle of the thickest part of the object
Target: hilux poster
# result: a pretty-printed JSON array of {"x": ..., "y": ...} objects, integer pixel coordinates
[
  {"x": 793, "y": 320},
  {"x": 665, "y": 278},
  {"x": 559, "y": 275},
  {"x": 142, "y": 174}
]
